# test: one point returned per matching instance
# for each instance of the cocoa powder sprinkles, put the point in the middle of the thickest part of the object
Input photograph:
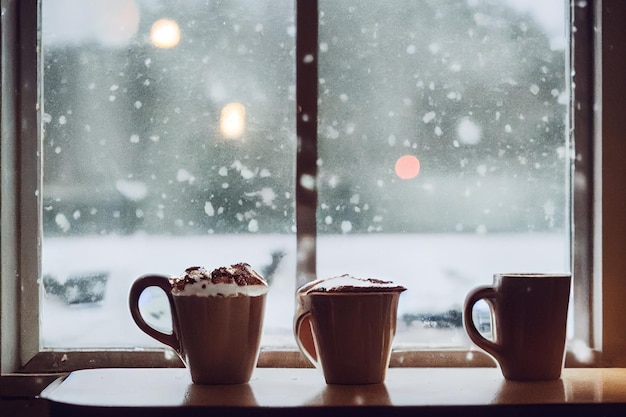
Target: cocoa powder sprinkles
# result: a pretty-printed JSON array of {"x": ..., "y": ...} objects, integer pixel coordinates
[
  {"x": 240, "y": 274},
  {"x": 348, "y": 284},
  {"x": 192, "y": 275}
]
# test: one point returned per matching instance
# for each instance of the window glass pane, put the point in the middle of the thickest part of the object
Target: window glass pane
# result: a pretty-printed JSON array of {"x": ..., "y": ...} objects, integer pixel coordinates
[
  {"x": 173, "y": 144},
  {"x": 443, "y": 149},
  {"x": 169, "y": 141}
]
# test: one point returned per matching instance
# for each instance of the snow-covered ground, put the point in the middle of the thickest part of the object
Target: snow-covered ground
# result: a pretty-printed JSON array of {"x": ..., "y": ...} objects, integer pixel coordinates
[{"x": 437, "y": 269}]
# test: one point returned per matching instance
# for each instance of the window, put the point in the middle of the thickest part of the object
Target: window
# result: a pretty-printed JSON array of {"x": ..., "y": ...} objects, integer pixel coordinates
[
  {"x": 198, "y": 165},
  {"x": 183, "y": 165}
]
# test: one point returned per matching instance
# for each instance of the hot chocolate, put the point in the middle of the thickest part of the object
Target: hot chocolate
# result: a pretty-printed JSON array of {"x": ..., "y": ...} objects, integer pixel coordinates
[
  {"x": 218, "y": 334},
  {"x": 217, "y": 319},
  {"x": 346, "y": 326}
]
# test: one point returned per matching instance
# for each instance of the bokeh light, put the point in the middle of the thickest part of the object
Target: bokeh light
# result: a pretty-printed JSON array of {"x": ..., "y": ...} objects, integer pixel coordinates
[
  {"x": 407, "y": 167},
  {"x": 233, "y": 120},
  {"x": 165, "y": 33}
]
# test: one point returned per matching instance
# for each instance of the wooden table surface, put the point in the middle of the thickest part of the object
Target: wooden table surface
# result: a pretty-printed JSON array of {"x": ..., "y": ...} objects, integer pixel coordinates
[{"x": 282, "y": 391}]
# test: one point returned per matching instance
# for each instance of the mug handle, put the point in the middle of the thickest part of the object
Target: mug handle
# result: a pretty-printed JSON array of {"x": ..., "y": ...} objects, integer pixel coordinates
[
  {"x": 488, "y": 294},
  {"x": 304, "y": 334},
  {"x": 140, "y": 284}
]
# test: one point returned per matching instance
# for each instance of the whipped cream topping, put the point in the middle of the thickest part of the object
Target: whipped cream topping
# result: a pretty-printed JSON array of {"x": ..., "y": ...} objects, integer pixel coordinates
[
  {"x": 348, "y": 283},
  {"x": 238, "y": 279}
]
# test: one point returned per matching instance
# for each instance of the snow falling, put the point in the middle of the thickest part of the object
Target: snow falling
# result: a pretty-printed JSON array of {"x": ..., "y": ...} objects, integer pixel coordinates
[{"x": 440, "y": 145}]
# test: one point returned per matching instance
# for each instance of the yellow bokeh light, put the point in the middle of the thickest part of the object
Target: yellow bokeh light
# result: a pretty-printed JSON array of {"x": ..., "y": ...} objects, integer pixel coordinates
[
  {"x": 165, "y": 33},
  {"x": 407, "y": 167},
  {"x": 233, "y": 120}
]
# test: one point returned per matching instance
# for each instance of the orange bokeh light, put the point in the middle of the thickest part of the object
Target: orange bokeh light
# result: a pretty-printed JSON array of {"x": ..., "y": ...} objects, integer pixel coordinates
[
  {"x": 233, "y": 120},
  {"x": 165, "y": 33},
  {"x": 407, "y": 167}
]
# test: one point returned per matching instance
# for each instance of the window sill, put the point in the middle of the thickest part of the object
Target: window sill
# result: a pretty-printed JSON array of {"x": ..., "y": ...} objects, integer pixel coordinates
[
  {"x": 280, "y": 391},
  {"x": 66, "y": 361}
]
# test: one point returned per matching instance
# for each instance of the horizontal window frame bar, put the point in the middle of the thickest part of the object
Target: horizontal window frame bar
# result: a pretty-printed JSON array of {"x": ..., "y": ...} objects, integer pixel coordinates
[{"x": 67, "y": 361}]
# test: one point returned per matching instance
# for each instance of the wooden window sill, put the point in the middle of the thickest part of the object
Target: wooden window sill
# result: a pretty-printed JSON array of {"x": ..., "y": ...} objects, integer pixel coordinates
[
  {"x": 292, "y": 391},
  {"x": 67, "y": 361}
]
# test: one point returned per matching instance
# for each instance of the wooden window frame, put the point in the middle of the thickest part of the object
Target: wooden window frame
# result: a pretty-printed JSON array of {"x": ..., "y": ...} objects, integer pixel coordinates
[{"x": 598, "y": 58}]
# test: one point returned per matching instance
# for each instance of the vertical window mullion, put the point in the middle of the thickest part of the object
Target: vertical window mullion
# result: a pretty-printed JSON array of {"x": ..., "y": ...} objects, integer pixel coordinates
[
  {"x": 28, "y": 151},
  {"x": 583, "y": 70},
  {"x": 20, "y": 160},
  {"x": 306, "y": 129}
]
